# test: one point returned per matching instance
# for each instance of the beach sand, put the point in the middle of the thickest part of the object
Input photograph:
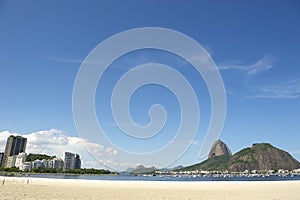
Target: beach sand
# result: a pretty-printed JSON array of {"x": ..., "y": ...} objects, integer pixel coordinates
[{"x": 42, "y": 188}]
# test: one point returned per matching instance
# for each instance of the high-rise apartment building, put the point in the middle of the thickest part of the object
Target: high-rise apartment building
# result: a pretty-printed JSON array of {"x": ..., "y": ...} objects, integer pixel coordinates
[
  {"x": 1, "y": 158},
  {"x": 77, "y": 162},
  {"x": 72, "y": 161},
  {"x": 14, "y": 146},
  {"x": 69, "y": 162},
  {"x": 11, "y": 161},
  {"x": 57, "y": 163}
]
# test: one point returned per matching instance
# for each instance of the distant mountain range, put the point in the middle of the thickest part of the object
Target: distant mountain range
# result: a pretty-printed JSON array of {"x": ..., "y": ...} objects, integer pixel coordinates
[
  {"x": 141, "y": 169},
  {"x": 260, "y": 157}
]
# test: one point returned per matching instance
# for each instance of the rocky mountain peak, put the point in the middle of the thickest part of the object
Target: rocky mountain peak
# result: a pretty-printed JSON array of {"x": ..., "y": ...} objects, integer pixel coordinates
[{"x": 219, "y": 148}]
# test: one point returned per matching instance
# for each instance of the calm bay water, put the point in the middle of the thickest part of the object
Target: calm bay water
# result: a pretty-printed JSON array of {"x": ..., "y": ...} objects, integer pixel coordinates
[{"x": 169, "y": 178}]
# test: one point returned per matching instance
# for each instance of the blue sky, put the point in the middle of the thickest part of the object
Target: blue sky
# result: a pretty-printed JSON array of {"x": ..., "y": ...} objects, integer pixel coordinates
[{"x": 255, "y": 44}]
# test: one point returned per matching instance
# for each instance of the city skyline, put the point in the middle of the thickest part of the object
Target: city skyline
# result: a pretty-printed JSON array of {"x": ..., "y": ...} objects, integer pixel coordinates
[
  {"x": 15, "y": 156},
  {"x": 254, "y": 44}
]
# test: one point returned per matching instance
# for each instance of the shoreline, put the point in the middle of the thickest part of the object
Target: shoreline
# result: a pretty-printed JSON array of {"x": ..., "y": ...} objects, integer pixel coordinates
[
  {"x": 167, "y": 178},
  {"x": 47, "y": 188},
  {"x": 52, "y": 174}
]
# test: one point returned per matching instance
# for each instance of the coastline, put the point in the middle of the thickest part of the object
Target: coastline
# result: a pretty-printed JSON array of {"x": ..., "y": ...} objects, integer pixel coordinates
[
  {"x": 47, "y": 188},
  {"x": 27, "y": 174}
]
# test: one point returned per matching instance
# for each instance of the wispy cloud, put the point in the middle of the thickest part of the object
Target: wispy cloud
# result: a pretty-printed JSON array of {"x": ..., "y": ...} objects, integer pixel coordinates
[
  {"x": 263, "y": 64},
  {"x": 230, "y": 92},
  {"x": 284, "y": 90},
  {"x": 192, "y": 142}
]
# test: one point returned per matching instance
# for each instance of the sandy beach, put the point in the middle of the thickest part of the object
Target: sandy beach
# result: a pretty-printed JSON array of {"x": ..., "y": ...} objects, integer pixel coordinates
[{"x": 42, "y": 188}]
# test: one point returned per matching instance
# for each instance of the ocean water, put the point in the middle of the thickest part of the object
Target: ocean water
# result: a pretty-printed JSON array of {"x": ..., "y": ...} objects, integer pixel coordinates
[{"x": 170, "y": 178}]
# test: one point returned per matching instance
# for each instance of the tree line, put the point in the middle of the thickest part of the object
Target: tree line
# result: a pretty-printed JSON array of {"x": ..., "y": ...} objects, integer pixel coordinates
[{"x": 54, "y": 171}]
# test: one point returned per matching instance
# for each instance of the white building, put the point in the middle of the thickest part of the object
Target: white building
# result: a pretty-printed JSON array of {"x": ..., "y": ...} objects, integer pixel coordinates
[
  {"x": 21, "y": 158},
  {"x": 37, "y": 164},
  {"x": 25, "y": 166},
  {"x": 11, "y": 161},
  {"x": 46, "y": 163},
  {"x": 57, "y": 163}
]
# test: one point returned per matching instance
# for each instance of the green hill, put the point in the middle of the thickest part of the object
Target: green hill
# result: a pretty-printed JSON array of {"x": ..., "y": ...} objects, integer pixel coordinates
[
  {"x": 32, "y": 157},
  {"x": 218, "y": 163},
  {"x": 258, "y": 157},
  {"x": 262, "y": 157}
]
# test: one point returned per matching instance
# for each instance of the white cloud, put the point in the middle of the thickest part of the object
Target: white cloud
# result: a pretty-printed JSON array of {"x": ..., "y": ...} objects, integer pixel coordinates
[
  {"x": 263, "y": 64},
  {"x": 230, "y": 92},
  {"x": 191, "y": 142},
  {"x": 53, "y": 137},
  {"x": 55, "y": 142},
  {"x": 122, "y": 166},
  {"x": 194, "y": 142},
  {"x": 3, "y": 137},
  {"x": 111, "y": 151}
]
